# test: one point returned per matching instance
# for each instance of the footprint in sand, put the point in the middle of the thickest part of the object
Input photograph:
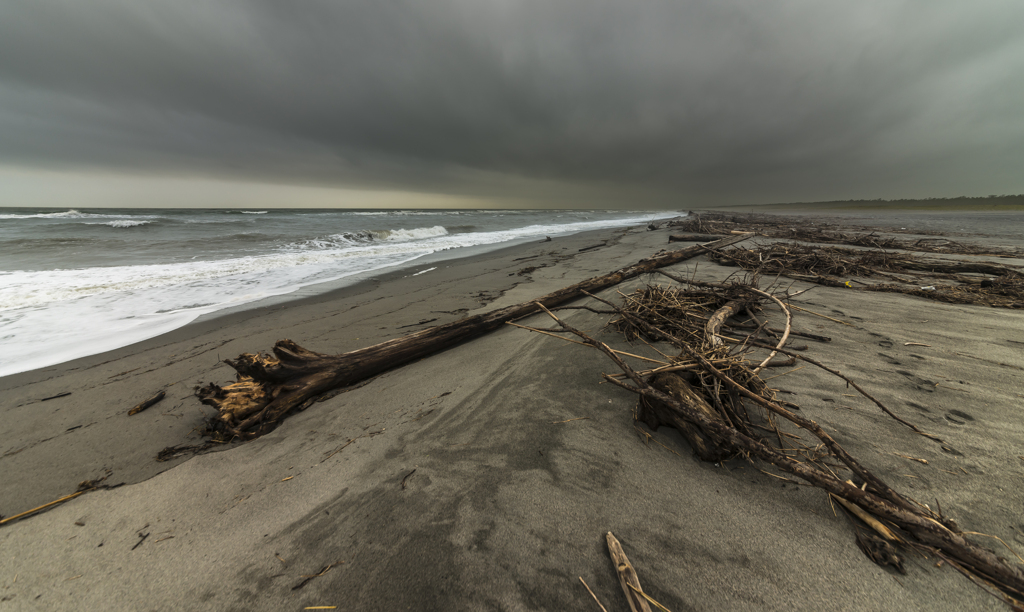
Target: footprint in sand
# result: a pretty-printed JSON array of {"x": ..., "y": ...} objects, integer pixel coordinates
[
  {"x": 958, "y": 417},
  {"x": 922, "y": 383}
]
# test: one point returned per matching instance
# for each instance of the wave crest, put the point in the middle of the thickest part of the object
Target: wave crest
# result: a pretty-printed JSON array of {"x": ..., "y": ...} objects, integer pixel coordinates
[
  {"x": 405, "y": 235},
  {"x": 75, "y": 214},
  {"x": 125, "y": 223}
]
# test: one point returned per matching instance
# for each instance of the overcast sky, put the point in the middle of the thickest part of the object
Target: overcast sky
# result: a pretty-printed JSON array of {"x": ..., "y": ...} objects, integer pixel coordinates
[{"x": 579, "y": 102}]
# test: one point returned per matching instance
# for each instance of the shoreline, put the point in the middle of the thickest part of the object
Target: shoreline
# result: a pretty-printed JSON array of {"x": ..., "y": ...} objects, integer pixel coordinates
[
  {"x": 464, "y": 480},
  {"x": 323, "y": 288}
]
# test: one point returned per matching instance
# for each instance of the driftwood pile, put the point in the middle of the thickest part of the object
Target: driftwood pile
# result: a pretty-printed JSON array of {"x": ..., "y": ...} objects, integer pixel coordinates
[
  {"x": 711, "y": 391},
  {"x": 823, "y": 232},
  {"x": 966, "y": 282}
]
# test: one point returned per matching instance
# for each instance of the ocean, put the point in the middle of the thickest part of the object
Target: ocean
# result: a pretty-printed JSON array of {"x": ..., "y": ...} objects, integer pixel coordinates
[{"x": 80, "y": 282}]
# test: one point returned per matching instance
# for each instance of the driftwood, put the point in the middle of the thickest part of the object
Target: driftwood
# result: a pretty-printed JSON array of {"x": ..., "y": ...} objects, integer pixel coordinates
[
  {"x": 11, "y": 519},
  {"x": 714, "y": 324},
  {"x": 270, "y": 387},
  {"x": 920, "y": 528},
  {"x": 146, "y": 404},
  {"x": 823, "y": 231},
  {"x": 655, "y": 413},
  {"x": 627, "y": 575},
  {"x": 829, "y": 266},
  {"x": 694, "y": 237}
]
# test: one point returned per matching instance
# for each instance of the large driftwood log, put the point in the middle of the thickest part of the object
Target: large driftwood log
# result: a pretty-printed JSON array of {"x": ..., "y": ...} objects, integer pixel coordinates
[
  {"x": 960, "y": 267},
  {"x": 693, "y": 237},
  {"x": 269, "y": 387}
]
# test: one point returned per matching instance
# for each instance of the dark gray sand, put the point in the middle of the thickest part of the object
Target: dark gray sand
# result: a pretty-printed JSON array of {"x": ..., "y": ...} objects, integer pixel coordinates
[{"x": 505, "y": 509}]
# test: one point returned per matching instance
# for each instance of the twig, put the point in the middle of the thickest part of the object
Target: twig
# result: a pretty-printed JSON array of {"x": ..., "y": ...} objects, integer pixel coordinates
[
  {"x": 1000, "y": 541},
  {"x": 880, "y": 405},
  {"x": 570, "y": 340},
  {"x": 146, "y": 404},
  {"x": 924, "y": 461},
  {"x": 43, "y": 507},
  {"x": 649, "y": 598},
  {"x": 309, "y": 577},
  {"x": 784, "y": 373},
  {"x": 785, "y": 334},
  {"x": 821, "y": 315},
  {"x": 569, "y": 420},
  {"x": 603, "y": 609},
  {"x": 869, "y": 520}
]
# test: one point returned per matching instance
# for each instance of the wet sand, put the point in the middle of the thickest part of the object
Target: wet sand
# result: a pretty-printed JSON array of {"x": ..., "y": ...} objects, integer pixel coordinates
[{"x": 450, "y": 484}]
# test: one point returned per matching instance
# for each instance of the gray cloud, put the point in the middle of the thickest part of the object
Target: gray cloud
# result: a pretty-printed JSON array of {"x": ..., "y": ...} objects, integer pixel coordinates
[{"x": 670, "y": 100}]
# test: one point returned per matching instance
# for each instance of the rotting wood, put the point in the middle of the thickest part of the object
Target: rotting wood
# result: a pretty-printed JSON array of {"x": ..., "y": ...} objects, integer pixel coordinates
[
  {"x": 268, "y": 388},
  {"x": 627, "y": 575},
  {"x": 146, "y": 404}
]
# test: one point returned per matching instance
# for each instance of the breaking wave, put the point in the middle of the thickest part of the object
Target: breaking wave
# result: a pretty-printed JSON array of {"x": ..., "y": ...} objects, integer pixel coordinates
[{"x": 125, "y": 223}]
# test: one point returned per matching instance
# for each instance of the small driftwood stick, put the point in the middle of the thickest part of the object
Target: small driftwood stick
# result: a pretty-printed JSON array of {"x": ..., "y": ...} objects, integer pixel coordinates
[
  {"x": 694, "y": 237},
  {"x": 43, "y": 507},
  {"x": 599, "y": 604},
  {"x": 146, "y": 404},
  {"x": 627, "y": 575},
  {"x": 785, "y": 334},
  {"x": 869, "y": 520}
]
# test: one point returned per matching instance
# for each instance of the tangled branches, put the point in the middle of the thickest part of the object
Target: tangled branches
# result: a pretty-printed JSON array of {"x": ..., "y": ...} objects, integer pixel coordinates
[
  {"x": 781, "y": 227},
  {"x": 711, "y": 393},
  {"x": 991, "y": 284}
]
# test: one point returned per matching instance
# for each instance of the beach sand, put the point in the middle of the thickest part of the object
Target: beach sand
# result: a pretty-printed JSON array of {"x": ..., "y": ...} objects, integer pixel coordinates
[{"x": 453, "y": 484}]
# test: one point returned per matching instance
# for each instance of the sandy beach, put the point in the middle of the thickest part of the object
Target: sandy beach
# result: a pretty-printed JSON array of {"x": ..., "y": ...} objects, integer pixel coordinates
[{"x": 486, "y": 476}]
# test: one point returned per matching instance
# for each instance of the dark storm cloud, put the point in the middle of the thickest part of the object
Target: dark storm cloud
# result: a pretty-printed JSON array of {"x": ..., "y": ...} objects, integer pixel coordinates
[{"x": 746, "y": 100}]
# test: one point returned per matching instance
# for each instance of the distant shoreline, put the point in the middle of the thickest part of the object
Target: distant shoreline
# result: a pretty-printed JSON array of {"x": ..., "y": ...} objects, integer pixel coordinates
[{"x": 995, "y": 204}]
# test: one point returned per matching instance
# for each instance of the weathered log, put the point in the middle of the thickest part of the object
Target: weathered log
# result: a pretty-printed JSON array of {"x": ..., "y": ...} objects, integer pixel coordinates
[
  {"x": 654, "y": 414},
  {"x": 627, "y": 575},
  {"x": 269, "y": 387},
  {"x": 714, "y": 324},
  {"x": 959, "y": 267},
  {"x": 694, "y": 237}
]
